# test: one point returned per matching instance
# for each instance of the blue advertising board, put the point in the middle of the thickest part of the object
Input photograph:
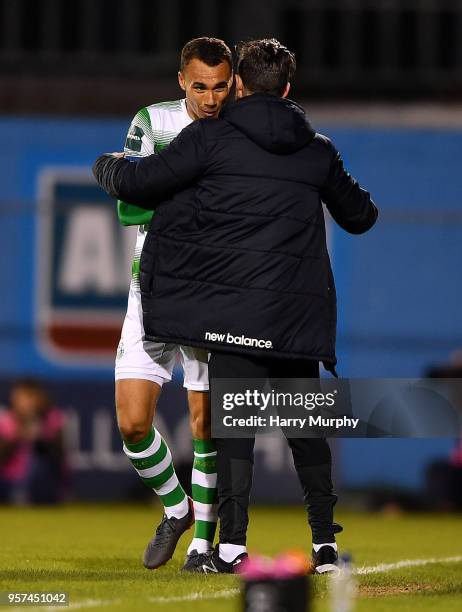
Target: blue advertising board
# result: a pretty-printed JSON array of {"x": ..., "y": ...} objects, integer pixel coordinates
[
  {"x": 83, "y": 261},
  {"x": 66, "y": 262}
]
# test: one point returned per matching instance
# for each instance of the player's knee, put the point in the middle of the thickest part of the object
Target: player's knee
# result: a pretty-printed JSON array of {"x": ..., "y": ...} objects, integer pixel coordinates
[
  {"x": 199, "y": 411},
  {"x": 200, "y": 425},
  {"x": 133, "y": 431}
]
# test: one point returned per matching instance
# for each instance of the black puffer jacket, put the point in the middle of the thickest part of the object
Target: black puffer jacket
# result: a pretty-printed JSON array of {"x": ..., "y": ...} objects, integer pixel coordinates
[{"x": 236, "y": 260}]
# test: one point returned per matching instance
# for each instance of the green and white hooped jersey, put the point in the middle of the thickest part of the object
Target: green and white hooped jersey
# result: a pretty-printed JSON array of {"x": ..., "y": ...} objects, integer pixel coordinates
[{"x": 152, "y": 129}]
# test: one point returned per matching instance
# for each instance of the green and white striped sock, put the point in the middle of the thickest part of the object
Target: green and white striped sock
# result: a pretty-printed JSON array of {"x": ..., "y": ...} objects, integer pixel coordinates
[
  {"x": 152, "y": 459},
  {"x": 204, "y": 494}
]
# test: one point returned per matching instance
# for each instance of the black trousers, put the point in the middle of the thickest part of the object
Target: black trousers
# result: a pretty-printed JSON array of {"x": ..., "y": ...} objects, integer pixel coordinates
[{"x": 312, "y": 456}]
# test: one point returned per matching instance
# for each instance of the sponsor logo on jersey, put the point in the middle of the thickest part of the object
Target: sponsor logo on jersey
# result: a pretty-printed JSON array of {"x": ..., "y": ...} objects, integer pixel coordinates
[{"x": 83, "y": 267}]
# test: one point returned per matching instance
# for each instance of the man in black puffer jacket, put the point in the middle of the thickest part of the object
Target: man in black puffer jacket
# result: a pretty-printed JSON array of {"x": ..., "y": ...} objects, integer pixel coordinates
[{"x": 236, "y": 261}]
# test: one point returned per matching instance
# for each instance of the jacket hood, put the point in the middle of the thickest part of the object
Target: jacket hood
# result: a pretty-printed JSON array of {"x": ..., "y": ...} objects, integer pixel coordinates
[{"x": 276, "y": 124}]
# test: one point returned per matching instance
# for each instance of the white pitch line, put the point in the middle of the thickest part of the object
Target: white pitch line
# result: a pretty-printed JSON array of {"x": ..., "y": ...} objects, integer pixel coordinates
[
  {"x": 87, "y": 603},
  {"x": 225, "y": 594},
  {"x": 77, "y": 605},
  {"x": 387, "y": 567},
  {"x": 229, "y": 593},
  {"x": 373, "y": 569}
]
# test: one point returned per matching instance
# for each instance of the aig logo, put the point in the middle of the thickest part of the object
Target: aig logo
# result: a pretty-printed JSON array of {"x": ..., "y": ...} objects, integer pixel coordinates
[{"x": 83, "y": 268}]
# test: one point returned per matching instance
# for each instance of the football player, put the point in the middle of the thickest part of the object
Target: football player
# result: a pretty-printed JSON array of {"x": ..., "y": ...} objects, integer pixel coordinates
[{"x": 142, "y": 367}]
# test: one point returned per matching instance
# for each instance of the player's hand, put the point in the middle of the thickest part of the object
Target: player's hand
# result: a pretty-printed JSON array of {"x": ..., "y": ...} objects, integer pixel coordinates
[{"x": 118, "y": 154}]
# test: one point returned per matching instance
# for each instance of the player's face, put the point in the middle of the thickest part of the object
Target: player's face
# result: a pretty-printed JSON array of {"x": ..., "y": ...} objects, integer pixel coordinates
[{"x": 206, "y": 87}]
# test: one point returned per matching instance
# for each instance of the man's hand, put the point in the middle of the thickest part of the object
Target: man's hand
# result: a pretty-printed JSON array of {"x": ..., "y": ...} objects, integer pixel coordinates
[
  {"x": 117, "y": 154},
  {"x": 155, "y": 178}
]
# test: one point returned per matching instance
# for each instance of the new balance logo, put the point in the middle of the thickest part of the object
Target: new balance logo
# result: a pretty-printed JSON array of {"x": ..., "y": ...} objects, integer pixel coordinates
[
  {"x": 240, "y": 340},
  {"x": 210, "y": 568}
]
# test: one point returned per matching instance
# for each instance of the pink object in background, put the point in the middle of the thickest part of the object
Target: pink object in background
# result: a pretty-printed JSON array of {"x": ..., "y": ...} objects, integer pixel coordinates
[
  {"x": 456, "y": 456},
  {"x": 16, "y": 466},
  {"x": 291, "y": 563},
  {"x": 286, "y": 565},
  {"x": 256, "y": 567}
]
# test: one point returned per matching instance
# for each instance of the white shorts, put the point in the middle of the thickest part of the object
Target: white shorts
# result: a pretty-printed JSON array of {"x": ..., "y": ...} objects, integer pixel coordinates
[{"x": 140, "y": 358}]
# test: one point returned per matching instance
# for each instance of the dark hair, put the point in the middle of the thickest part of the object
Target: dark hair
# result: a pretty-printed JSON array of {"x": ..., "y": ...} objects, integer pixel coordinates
[
  {"x": 33, "y": 385},
  {"x": 265, "y": 66},
  {"x": 211, "y": 51}
]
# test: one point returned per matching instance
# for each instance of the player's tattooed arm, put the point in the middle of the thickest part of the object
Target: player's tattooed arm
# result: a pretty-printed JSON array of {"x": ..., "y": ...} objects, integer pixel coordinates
[{"x": 158, "y": 177}]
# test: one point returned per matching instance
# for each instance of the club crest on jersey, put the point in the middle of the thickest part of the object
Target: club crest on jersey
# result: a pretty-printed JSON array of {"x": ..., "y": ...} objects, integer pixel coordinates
[{"x": 83, "y": 269}]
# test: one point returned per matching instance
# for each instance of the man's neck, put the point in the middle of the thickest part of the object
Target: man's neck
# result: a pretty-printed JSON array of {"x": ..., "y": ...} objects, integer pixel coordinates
[{"x": 190, "y": 113}]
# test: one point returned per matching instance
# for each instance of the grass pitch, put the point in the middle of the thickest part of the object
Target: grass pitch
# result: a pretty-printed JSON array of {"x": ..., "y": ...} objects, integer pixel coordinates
[{"x": 94, "y": 553}]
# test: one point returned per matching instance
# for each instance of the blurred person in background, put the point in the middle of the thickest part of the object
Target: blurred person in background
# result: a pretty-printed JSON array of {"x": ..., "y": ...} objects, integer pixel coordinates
[
  {"x": 143, "y": 366},
  {"x": 33, "y": 467}
]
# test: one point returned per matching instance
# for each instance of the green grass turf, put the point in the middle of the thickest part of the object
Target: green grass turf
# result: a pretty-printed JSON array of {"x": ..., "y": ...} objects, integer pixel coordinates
[{"x": 94, "y": 552}]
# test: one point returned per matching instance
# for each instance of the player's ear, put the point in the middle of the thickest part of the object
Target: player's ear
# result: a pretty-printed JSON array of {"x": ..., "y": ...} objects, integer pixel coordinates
[
  {"x": 239, "y": 86},
  {"x": 286, "y": 91},
  {"x": 181, "y": 80}
]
